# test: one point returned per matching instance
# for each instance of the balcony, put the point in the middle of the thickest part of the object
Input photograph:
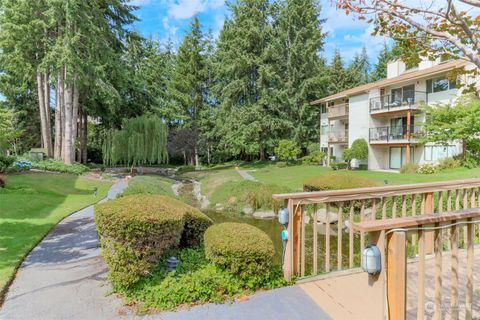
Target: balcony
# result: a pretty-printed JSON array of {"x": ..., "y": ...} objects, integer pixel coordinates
[
  {"x": 338, "y": 112},
  {"x": 395, "y": 135},
  {"x": 397, "y": 103},
  {"x": 338, "y": 137}
]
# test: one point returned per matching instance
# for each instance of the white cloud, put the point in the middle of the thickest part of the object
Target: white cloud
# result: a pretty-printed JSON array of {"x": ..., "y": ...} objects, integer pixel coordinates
[
  {"x": 139, "y": 2},
  {"x": 185, "y": 9}
]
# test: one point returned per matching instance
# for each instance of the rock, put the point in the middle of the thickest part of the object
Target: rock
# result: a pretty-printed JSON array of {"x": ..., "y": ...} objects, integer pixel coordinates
[
  {"x": 247, "y": 210},
  {"x": 218, "y": 207},
  {"x": 259, "y": 214},
  {"x": 322, "y": 216}
]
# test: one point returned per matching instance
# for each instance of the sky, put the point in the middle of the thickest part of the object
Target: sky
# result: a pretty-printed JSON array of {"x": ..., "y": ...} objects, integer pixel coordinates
[{"x": 163, "y": 19}]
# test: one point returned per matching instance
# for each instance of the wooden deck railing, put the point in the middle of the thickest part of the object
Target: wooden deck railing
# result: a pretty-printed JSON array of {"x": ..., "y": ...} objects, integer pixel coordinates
[
  {"x": 396, "y": 232},
  {"x": 346, "y": 207}
]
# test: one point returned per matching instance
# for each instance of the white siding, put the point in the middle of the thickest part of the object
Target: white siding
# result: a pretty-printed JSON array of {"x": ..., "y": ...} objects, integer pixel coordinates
[{"x": 358, "y": 118}]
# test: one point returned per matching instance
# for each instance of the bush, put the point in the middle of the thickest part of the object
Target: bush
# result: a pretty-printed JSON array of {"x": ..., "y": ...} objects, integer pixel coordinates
[
  {"x": 260, "y": 196},
  {"x": 240, "y": 248},
  {"x": 185, "y": 169},
  {"x": 359, "y": 151},
  {"x": 427, "y": 168},
  {"x": 287, "y": 150},
  {"x": 6, "y": 162},
  {"x": 469, "y": 162},
  {"x": 315, "y": 157},
  {"x": 336, "y": 181},
  {"x": 58, "y": 166},
  {"x": 136, "y": 230},
  {"x": 196, "y": 223},
  {"x": 409, "y": 168},
  {"x": 449, "y": 163},
  {"x": 338, "y": 165},
  {"x": 281, "y": 164},
  {"x": 3, "y": 181},
  {"x": 22, "y": 165}
]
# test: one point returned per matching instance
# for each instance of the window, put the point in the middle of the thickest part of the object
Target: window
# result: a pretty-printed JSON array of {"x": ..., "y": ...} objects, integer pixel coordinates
[
  {"x": 440, "y": 84},
  {"x": 398, "y": 157},
  {"x": 436, "y": 153}
]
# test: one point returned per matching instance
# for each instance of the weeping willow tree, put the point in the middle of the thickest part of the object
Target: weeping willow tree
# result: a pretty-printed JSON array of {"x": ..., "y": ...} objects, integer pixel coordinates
[{"x": 141, "y": 140}]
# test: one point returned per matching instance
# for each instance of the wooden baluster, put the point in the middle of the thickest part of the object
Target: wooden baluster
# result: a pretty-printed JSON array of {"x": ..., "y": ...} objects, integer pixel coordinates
[
  {"x": 327, "y": 238},
  {"x": 469, "y": 294},
  {"x": 449, "y": 201},
  {"x": 374, "y": 209},
  {"x": 362, "y": 234},
  {"x": 350, "y": 236},
  {"x": 421, "y": 275},
  {"x": 404, "y": 206},
  {"x": 414, "y": 213},
  {"x": 296, "y": 239},
  {"x": 302, "y": 254},
  {"x": 339, "y": 236},
  {"x": 457, "y": 199},
  {"x": 454, "y": 268},
  {"x": 428, "y": 209},
  {"x": 394, "y": 207},
  {"x": 438, "y": 273},
  {"x": 384, "y": 208},
  {"x": 315, "y": 239},
  {"x": 465, "y": 206},
  {"x": 440, "y": 202}
]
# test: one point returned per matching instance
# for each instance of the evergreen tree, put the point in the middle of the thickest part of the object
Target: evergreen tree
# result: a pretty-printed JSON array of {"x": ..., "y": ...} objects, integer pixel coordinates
[
  {"x": 380, "y": 68},
  {"x": 250, "y": 118},
  {"x": 299, "y": 31},
  {"x": 337, "y": 75},
  {"x": 188, "y": 86},
  {"x": 358, "y": 71}
]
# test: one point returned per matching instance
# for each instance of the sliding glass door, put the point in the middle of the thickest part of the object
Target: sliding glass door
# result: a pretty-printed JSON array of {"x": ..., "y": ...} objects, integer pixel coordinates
[{"x": 398, "y": 157}]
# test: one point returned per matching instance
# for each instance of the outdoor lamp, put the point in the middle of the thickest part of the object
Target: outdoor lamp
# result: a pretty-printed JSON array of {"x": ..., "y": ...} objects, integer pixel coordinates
[
  {"x": 172, "y": 263},
  {"x": 283, "y": 216},
  {"x": 371, "y": 260}
]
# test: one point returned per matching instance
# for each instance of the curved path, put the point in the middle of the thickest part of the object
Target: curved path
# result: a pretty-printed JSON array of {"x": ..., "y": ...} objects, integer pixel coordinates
[{"x": 64, "y": 277}]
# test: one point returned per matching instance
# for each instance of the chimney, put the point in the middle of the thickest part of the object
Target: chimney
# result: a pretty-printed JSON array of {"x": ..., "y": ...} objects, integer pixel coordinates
[{"x": 395, "y": 68}]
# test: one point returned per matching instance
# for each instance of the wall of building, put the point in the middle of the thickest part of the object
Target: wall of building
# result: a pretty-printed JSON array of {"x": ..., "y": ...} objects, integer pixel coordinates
[{"x": 358, "y": 118}]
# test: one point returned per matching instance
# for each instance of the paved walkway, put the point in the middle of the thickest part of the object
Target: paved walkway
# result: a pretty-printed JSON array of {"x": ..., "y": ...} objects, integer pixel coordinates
[
  {"x": 64, "y": 277},
  {"x": 246, "y": 175}
]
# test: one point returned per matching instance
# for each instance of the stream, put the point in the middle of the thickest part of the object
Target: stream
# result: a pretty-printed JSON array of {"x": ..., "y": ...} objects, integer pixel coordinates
[{"x": 189, "y": 191}]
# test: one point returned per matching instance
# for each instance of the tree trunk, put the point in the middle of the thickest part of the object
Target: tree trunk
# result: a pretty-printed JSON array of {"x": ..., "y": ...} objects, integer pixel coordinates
[
  {"x": 84, "y": 137},
  {"x": 68, "y": 159},
  {"x": 75, "y": 106},
  {"x": 63, "y": 112},
  {"x": 58, "y": 117},
  {"x": 48, "y": 120},
  {"x": 80, "y": 133},
  {"x": 41, "y": 102},
  {"x": 197, "y": 163},
  {"x": 208, "y": 153}
]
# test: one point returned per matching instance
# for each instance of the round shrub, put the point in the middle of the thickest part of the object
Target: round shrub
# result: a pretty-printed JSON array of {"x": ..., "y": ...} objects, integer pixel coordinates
[
  {"x": 136, "y": 230},
  {"x": 336, "y": 181},
  {"x": 281, "y": 164},
  {"x": 427, "y": 168},
  {"x": 239, "y": 248}
]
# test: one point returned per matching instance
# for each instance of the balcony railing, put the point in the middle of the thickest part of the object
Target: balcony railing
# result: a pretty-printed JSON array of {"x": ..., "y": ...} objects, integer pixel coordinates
[
  {"x": 395, "y": 133},
  {"x": 338, "y": 111},
  {"x": 339, "y": 136},
  {"x": 390, "y": 102}
]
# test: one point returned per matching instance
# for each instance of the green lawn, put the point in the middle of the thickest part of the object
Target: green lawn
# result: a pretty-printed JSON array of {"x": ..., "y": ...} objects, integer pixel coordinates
[
  {"x": 150, "y": 184},
  {"x": 31, "y": 205},
  {"x": 293, "y": 176}
]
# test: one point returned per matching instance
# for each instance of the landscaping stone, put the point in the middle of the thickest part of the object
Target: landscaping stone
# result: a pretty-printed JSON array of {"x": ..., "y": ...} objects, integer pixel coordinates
[
  {"x": 322, "y": 216},
  {"x": 247, "y": 210},
  {"x": 260, "y": 214}
]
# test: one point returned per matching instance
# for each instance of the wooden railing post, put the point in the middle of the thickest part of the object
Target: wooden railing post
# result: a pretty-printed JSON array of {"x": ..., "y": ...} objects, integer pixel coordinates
[
  {"x": 397, "y": 275},
  {"x": 295, "y": 235},
  {"x": 288, "y": 256}
]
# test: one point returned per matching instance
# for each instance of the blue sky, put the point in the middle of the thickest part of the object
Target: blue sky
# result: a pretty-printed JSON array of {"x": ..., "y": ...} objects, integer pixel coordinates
[{"x": 164, "y": 19}]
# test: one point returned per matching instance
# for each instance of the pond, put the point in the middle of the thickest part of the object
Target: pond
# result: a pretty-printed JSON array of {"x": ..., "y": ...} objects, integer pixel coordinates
[{"x": 273, "y": 229}]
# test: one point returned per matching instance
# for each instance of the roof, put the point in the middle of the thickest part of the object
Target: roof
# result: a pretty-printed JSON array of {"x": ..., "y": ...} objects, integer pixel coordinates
[{"x": 447, "y": 66}]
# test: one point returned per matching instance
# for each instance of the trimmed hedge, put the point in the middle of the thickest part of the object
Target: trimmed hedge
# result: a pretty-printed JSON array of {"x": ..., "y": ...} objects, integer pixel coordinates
[
  {"x": 336, "y": 181},
  {"x": 136, "y": 230},
  {"x": 239, "y": 248}
]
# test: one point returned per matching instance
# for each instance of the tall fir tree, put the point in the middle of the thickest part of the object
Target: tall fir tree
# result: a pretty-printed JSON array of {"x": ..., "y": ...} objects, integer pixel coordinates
[
  {"x": 380, "y": 68},
  {"x": 337, "y": 75},
  {"x": 250, "y": 118},
  {"x": 188, "y": 85},
  {"x": 358, "y": 71},
  {"x": 301, "y": 39}
]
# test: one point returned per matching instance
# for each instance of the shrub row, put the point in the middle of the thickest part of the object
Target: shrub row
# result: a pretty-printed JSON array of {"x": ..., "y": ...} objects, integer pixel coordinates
[
  {"x": 58, "y": 166},
  {"x": 136, "y": 230},
  {"x": 240, "y": 248},
  {"x": 336, "y": 181}
]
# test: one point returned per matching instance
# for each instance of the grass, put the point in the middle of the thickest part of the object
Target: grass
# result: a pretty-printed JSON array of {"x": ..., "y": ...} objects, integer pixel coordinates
[
  {"x": 150, "y": 184},
  {"x": 31, "y": 205},
  {"x": 293, "y": 176}
]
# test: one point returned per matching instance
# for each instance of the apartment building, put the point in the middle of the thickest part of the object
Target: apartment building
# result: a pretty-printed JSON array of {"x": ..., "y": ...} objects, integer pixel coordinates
[{"x": 388, "y": 115}]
